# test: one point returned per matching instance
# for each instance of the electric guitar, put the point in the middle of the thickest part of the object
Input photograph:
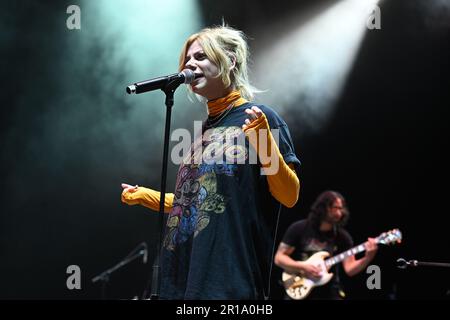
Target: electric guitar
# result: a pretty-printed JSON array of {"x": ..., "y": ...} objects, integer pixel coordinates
[{"x": 298, "y": 286}]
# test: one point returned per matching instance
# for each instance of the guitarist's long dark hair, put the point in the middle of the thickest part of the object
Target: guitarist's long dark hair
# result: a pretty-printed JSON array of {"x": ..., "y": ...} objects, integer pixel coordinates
[{"x": 320, "y": 207}]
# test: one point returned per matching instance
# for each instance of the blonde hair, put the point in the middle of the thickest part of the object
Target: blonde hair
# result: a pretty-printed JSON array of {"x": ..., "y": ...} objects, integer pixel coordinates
[{"x": 224, "y": 45}]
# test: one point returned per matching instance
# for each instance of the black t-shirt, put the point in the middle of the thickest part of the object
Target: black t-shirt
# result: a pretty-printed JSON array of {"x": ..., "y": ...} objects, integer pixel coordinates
[
  {"x": 219, "y": 234},
  {"x": 308, "y": 241}
]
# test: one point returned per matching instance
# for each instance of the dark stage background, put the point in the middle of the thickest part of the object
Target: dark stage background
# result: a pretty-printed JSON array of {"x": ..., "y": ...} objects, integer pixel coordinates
[{"x": 70, "y": 136}]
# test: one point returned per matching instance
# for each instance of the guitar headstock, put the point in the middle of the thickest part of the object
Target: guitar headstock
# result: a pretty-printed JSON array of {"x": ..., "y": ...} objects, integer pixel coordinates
[{"x": 391, "y": 237}]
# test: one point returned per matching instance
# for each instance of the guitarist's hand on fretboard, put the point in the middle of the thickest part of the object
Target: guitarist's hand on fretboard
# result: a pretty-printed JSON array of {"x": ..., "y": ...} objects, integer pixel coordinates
[{"x": 371, "y": 248}]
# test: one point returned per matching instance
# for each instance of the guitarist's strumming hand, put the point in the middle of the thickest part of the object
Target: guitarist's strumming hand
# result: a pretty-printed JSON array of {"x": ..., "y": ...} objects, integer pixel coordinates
[{"x": 309, "y": 270}]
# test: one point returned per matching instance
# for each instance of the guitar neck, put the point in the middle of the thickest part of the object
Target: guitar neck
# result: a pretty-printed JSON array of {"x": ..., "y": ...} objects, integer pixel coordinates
[
  {"x": 344, "y": 255},
  {"x": 393, "y": 236}
]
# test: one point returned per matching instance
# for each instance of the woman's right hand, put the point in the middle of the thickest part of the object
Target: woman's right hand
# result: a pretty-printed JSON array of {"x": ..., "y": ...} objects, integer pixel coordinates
[
  {"x": 129, "y": 188},
  {"x": 126, "y": 194}
]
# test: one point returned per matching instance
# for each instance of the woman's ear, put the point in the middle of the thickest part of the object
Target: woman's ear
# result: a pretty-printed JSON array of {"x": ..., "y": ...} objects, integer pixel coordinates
[{"x": 232, "y": 60}]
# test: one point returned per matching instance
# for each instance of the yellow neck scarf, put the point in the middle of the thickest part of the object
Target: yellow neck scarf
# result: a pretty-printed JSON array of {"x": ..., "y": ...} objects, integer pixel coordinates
[{"x": 216, "y": 106}]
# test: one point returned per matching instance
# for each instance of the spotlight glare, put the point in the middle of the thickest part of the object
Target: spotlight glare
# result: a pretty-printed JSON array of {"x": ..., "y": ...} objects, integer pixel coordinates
[{"x": 310, "y": 64}]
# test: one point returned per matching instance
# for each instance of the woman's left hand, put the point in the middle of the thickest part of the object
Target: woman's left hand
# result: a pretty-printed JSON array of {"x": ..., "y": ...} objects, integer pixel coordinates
[{"x": 254, "y": 113}]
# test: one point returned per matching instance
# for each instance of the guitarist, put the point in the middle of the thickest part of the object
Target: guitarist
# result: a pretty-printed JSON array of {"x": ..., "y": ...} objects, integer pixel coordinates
[{"x": 322, "y": 231}]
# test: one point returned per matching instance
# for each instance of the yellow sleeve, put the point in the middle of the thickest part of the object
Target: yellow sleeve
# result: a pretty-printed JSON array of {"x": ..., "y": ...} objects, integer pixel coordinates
[
  {"x": 284, "y": 184},
  {"x": 148, "y": 198}
]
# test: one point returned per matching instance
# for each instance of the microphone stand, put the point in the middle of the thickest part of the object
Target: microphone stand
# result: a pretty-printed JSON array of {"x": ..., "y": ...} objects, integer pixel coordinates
[
  {"x": 105, "y": 275},
  {"x": 403, "y": 264},
  {"x": 169, "y": 91}
]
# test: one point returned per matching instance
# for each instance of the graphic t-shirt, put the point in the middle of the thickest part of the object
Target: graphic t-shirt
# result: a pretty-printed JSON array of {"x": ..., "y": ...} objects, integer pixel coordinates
[
  {"x": 308, "y": 241},
  {"x": 219, "y": 235}
]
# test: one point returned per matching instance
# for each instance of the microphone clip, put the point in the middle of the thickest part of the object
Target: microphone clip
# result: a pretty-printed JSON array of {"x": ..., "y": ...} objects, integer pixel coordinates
[{"x": 403, "y": 264}]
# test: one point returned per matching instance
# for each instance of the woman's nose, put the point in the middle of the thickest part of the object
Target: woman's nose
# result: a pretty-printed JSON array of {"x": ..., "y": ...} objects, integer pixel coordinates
[{"x": 190, "y": 65}]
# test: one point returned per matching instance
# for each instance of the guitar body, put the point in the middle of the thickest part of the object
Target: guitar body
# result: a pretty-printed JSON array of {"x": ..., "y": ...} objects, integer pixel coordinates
[{"x": 298, "y": 287}]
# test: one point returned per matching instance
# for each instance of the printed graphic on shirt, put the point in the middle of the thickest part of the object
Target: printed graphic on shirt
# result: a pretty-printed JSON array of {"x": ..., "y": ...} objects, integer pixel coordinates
[
  {"x": 196, "y": 197},
  {"x": 314, "y": 245}
]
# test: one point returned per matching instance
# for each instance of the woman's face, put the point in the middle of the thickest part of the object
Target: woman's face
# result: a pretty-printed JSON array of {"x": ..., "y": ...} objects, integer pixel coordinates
[{"x": 209, "y": 85}]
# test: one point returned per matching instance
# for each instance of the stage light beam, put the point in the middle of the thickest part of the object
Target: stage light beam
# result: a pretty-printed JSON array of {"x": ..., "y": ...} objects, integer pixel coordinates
[{"x": 305, "y": 70}]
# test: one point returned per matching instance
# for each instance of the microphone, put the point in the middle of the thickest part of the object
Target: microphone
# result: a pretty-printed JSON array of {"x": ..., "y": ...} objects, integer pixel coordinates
[{"x": 186, "y": 76}]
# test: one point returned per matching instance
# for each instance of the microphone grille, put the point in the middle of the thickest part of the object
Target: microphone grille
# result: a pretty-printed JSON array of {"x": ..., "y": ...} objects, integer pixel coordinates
[
  {"x": 131, "y": 89},
  {"x": 189, "y": 76}
]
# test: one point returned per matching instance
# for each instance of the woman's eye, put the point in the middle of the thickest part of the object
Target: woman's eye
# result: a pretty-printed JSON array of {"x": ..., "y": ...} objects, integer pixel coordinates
[{"x": 201, "y": 56}]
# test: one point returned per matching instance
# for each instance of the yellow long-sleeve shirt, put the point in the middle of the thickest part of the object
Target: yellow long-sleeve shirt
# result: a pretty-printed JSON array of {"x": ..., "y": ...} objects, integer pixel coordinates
[
  {"x": 148, "y": 198},
  {"x": 284, "y": 184}
]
